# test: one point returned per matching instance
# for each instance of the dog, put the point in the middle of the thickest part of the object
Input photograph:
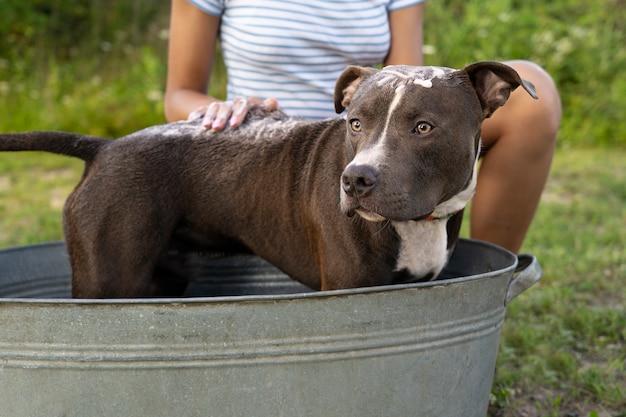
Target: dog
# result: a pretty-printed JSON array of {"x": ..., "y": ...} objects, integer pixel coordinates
[{"x": 372, "y": 198}]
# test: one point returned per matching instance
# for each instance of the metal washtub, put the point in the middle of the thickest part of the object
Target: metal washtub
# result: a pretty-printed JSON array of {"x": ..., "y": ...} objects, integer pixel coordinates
[{"x": 248, "y": 341}]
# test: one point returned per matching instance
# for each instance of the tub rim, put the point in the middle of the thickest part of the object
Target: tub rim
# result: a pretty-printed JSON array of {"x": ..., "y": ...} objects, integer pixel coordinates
[{"x": 514, "y": 261}]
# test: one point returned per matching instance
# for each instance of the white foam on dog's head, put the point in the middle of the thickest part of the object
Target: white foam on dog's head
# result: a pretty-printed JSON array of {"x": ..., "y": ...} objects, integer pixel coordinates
[
  {"x": 424, "y": 76},
  {"x": 423, "y": 83}
]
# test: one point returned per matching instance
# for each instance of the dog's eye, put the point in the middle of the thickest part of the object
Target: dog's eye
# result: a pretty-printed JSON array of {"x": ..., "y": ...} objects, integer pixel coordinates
[
  {"x": 422, "y": 128},
  {"x": 355, "y": 124}
]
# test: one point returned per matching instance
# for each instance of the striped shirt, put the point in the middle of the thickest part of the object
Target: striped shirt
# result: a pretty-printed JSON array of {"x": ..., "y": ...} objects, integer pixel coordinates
[{"x": 294, "y": 50}]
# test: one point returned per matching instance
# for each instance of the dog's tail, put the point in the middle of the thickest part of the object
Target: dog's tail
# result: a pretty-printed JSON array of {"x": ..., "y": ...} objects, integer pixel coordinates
[{"x": 80, "y": 146}]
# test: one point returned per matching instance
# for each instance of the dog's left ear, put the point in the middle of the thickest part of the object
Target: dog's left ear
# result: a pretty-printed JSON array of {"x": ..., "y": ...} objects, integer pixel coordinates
[
  {"x": 493, "y": 82},
  {"x": 346, "y": 85}
]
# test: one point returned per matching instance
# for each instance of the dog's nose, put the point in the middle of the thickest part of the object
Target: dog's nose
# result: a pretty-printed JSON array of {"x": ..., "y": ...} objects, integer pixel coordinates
[{"x": 359, "y": 180}]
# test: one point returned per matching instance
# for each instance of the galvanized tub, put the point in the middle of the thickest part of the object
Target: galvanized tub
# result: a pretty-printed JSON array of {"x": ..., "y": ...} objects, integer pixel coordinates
[{"x": 424, "y": 349}]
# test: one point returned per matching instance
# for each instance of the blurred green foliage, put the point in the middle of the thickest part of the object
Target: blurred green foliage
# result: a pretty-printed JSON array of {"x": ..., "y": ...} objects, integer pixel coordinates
[
  {"x": 38, "y": 29},
  {"x": 580, "y": 44}
]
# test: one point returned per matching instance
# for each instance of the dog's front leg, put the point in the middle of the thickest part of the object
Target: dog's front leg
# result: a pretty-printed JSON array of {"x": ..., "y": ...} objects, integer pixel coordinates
[{"x": 348, "y": 263}]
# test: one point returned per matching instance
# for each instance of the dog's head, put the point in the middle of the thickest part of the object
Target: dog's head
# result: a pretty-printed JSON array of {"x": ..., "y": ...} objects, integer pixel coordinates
[{"x": 414, "y": 136}]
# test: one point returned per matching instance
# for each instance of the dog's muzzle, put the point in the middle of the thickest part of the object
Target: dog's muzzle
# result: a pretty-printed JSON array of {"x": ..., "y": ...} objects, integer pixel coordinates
[{"x": 358, "y": 181}]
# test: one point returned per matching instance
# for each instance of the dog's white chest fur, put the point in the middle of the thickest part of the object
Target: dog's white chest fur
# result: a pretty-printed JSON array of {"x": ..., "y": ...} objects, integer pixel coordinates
[
  {"x": 423, "y": 247},
  {"x": 424, "y": 244}
]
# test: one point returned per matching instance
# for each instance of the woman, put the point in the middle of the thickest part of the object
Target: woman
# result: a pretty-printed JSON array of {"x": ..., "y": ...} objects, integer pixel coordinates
[{"x": 289, "y": 53}]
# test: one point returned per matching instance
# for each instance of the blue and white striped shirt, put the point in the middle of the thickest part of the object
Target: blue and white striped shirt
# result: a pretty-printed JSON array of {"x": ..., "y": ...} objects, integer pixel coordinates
[{"x": 294, "y": 50}]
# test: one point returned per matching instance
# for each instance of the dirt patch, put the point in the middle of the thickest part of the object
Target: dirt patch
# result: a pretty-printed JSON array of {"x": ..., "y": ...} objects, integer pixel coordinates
[
  {"x": 57, "y": 198},
  {"x": 5, "y": 183},
  {"x": 544, "y": 403},
  {"x": 55, "y": 174}
]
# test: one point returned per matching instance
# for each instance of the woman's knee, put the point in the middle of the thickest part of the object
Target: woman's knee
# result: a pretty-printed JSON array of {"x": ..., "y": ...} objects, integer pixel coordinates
[
  {"x": 533, "y": 122},
  {"x": 547, "y": 109}
]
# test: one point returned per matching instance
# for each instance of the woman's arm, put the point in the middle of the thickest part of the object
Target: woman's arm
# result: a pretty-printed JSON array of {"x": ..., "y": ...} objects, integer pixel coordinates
[
  {"x": 191, "y": 53},
  {"x": 192, "y": 45},
  {"x": 406, "y": 27}
]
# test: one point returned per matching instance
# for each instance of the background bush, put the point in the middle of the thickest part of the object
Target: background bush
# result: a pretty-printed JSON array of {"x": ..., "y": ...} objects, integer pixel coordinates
[
  {"x": 93, "y": 66},
  {"x": 581, "y": 46},
  {"x": 63, "y": 28}
]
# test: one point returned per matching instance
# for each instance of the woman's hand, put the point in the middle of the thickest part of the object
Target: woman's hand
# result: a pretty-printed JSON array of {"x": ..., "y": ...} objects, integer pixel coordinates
[{"x": 218, "y": 114}]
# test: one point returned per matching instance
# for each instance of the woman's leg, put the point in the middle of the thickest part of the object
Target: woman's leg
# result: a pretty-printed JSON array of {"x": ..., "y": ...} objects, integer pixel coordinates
[{"x": 519, "y": 140}]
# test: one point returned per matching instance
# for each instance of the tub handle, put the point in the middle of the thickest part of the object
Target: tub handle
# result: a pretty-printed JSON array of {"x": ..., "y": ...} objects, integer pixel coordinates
[{"x": 528, "y": 272}]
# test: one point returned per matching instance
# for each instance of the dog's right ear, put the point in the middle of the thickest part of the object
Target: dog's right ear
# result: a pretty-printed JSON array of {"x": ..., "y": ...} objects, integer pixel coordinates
[
  {"x": 493, "y": 82},
  {"x": 347, "y": 83}
]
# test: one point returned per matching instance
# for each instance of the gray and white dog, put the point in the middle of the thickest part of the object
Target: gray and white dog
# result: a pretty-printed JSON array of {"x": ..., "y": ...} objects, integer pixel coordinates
[{"x": 370, "y": 199}]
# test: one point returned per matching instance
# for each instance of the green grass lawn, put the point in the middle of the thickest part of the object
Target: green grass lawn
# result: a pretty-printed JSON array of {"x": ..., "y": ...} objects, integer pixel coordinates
[
  {"x": 563, "y": 347},
  {"x": 563, "y": 350}
]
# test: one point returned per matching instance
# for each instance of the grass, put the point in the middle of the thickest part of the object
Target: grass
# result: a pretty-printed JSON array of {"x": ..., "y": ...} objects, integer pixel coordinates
[
  {"x": 107, "y": 107},
  {"x": 563, "y": 345}
]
